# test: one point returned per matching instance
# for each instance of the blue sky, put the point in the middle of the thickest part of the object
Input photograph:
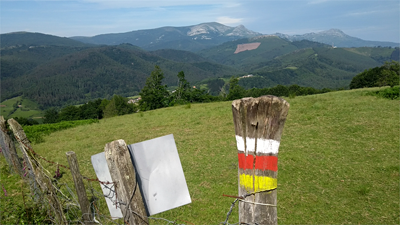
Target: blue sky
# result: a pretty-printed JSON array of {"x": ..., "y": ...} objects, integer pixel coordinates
[{"x": 377, "y": 20}]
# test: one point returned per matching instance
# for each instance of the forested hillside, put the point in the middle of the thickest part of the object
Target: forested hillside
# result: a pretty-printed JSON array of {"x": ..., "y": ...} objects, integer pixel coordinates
[
  {"x": 59, "y": 78},
  {"x": 18, "y": 60},
  {"x": 278, "y": 61},
  {"x": 55, "y": 71},
  {"x": 37, "y": 39}
]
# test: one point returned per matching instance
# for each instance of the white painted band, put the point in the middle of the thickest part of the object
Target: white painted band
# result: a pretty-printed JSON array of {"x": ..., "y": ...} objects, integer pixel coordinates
[{"x": 265, "y": 146}]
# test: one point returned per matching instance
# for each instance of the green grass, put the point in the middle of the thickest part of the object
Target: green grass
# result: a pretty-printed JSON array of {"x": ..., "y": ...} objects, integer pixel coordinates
[
  {"x": 29, "y": 108},
  {"x": 338, "y": 159},
  {"x": 134, "y": 97},
  {"x": 14, "y": 192},
  {"x": 372, "y": 52},
  {"x": 5, "y": 111},
  {"x": 36, "y": 133}
]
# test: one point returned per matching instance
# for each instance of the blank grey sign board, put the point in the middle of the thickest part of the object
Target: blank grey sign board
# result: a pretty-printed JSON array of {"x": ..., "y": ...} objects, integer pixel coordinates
[
  {"x": 159, "y": 167},
  {"x": 103, "y": 174}
]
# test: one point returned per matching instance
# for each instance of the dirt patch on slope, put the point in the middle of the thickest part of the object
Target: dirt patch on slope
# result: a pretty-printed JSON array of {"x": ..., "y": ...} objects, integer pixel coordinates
[{"x": 246, "y": 47}]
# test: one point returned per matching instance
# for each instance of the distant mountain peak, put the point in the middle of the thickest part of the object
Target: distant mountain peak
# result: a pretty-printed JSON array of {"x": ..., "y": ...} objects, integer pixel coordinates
[
  {"x": 221, "y": 30},
  {"x": 191, "y": 38},
  {"x": 334, "y": 32},
  {"x": 336, "y": 37},
  {"x": 206, "y": 28}
]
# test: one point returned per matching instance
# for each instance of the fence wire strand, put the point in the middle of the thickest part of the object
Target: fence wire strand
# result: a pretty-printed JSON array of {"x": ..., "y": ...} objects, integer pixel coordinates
[{"x": 69, "y": 201}]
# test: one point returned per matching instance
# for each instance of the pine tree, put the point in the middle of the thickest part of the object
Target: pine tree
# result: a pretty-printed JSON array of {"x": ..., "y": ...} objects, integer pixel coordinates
[
  {"x": 235, "y": 91},
  {"x": 154, "y": 95},
  {"x": 182, "y": 93}
]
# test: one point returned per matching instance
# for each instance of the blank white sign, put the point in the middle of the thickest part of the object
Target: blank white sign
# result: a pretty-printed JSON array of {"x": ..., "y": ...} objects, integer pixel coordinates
[
  {"x": 162, "y": 180},
  {"x": 103, "y": 174}
]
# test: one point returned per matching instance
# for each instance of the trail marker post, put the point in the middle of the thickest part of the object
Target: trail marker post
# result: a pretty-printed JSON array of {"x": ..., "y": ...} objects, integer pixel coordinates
[{"x": 258, "y": 126}]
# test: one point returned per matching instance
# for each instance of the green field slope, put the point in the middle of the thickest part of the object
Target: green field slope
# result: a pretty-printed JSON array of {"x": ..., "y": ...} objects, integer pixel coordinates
[
  {"x": 315, "y": 67},
  {"x": 338, "y": 158},
  {"x": 20, "y": 107},
  {"x": 306, "y": 63}
]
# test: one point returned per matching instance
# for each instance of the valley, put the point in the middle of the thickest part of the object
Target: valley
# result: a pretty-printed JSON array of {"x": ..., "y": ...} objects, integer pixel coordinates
[{"x": 56, "y": 71}]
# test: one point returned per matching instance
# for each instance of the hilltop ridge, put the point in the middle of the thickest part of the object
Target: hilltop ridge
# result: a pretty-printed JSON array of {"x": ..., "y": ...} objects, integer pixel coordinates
[{"x": 189, "y": 38}]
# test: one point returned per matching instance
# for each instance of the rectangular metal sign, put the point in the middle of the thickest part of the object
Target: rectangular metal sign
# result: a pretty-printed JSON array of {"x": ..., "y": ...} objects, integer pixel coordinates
[
  {"x": 162, "y": 179},
  {"x": 160, "y": 172},
  {"x": 103, "y": 174}
]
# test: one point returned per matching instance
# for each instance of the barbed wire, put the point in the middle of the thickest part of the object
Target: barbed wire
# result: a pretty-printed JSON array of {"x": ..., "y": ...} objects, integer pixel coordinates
[
  {"x": 37, "y": 155},
  {"x": 71, "y": 205},
  {"x": 241, "y": 198}
]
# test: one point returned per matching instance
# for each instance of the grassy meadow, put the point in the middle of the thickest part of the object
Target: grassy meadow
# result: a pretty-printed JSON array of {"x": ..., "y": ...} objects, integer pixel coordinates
[
  {"x": 338, "y": 158},
  {"x": 29, "y": 108}
]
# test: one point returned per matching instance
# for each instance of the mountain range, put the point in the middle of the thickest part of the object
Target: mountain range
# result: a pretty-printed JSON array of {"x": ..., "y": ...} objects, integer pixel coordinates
[
  {"x": 56, "y": 71},
  {"x": 189, "y": 38},
  {"x": 337, "y": 38},
  {"x": 197, "y": 37}
]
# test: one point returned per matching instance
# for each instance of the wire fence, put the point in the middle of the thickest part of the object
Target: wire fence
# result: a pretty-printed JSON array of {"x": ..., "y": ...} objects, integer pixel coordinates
[{"x": 67, "y": 206}]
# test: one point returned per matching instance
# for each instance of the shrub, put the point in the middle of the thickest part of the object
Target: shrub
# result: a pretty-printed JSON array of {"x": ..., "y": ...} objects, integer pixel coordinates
[
  {"x": 35, "y": 133},
  {"x": 389, "y": 93}
]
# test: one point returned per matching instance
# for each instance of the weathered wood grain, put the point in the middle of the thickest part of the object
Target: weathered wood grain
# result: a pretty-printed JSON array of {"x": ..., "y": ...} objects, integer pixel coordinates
[
  {"x": 258, "y": 124},
  {"x": 8, "y": 149},
  {"x": 79, "y": 186},
  {"x": 44, "y": 181},
  {"x": 124, "y": 177}
]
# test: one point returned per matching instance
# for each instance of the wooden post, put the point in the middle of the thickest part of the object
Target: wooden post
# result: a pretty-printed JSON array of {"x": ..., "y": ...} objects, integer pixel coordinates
[
  {"x": 42, "y": 179},
  {"x": 258, "y": 126},
  {"x": 25, "y": 171},
  {"x": 8, "y": 148},
  {"x": 123, "y": 175},
  {"x": 79, "y": 186}
]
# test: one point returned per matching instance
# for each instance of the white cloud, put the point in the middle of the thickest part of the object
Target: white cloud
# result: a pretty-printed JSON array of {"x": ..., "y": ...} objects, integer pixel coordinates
[{"x": 226, "y": 20}]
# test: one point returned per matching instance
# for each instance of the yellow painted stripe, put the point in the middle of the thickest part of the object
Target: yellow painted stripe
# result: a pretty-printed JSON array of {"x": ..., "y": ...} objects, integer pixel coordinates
[{"x": 261, "y": 183}]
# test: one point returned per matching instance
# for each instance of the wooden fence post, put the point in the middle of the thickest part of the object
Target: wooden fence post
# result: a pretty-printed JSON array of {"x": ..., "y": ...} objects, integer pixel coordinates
[
  {"x": 42, "y": 179},
  {"x": 26, "y": 170},
  {"x": 258, "y": 126},
  {"x": 124, "y": 177},
  {"x": 79, "y": 186},
  {"x": 8, "y": 148}
]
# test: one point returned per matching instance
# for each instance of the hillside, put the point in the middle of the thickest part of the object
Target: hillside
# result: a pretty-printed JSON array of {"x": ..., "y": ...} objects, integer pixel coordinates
[
  {"x": 334, "y": 159},
  {"x": 59, "y": 71},
  {"x": 21, "y": 107},
  {"x": 36, "y": 39},
  {"x": 337, "y": 38},
  {"x": 97, "y": 72},
  {"x": 189, "y": 38},
  {"x": 279, "y": 61},
  {"x": 316, "y": 67},
  {"x": 179, "y": 55},
  {"x": 269, "y": 48},
  {"x": 18, "y": 60}
]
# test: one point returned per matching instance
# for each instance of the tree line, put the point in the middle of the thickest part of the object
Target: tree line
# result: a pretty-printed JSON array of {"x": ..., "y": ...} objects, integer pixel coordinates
[
  {"x": 155, "y": 95},
  {"x": 385, "y": 75}
]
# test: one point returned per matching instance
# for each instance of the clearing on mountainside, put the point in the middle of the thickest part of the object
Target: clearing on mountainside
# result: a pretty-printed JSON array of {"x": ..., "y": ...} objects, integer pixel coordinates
[{"x": 245, "y": 47}]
